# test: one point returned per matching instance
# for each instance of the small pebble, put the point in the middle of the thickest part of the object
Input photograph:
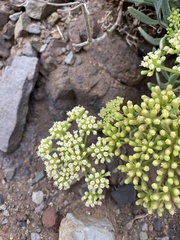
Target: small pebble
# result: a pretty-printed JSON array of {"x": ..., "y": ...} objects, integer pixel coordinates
[
  {"x": 145, "y": 227},
  {"x": 35, "y": 236},
  {"x": 34, "y": 28},
  {"x": 157, "y": 224},
  {"x": 38, "y": 176},
  {"x": 4, "y": 221},
  {"x": 2, "y": 207},
  {"x": 1, "y": 199},
  {"x": 70, "y": 58},
  {"x": 6, "y": 213},
  {"x": 143, "y": 236},
  {"x": 38, "y": 197}
]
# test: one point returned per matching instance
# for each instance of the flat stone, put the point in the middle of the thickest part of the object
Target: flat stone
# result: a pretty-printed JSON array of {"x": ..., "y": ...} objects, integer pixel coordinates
[
  {"x": 85, "y": 227},
  {"x": 124, "y": 194},
  {"x": 20, "y": 76},
  {"x": 38, "y": 197}
]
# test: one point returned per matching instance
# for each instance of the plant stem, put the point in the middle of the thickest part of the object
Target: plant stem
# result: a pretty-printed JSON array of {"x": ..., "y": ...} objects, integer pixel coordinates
[{"x": 170, "y": 70}]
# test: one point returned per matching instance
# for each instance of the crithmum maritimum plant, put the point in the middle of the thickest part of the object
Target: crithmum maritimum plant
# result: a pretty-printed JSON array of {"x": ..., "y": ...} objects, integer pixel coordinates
[{"x": 151, "y": 129}]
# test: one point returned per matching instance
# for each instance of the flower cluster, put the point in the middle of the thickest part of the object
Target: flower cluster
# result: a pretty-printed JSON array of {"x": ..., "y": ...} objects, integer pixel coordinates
[
  {"x": 156, "y": 145},
  {"x": 151, "y": 130},
  {"x": 96, "y": 182},
  {"x": 153, "y": 62},
  {"x": 66, "y": 154}
]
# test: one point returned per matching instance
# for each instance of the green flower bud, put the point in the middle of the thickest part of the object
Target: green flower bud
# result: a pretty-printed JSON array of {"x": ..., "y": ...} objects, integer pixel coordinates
[
  {"x": 155, "y": 186},
  {"x": 168, "y": 141},
  {"x": 151, "y": 103},
  {"x": 171, "y": 173},
  {"x": 137, "y": 108},
  {"x": 156, "y": 121},
  {"x": 169, "y": 207},
  {"x": 146, "y": 168},
  {"x": 165, "y": 189},
  {"x": 145, "y": 177}
]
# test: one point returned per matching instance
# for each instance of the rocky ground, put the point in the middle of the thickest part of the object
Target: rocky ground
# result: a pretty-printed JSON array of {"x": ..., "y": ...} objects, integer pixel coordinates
[{"x": 30, "y": 206}]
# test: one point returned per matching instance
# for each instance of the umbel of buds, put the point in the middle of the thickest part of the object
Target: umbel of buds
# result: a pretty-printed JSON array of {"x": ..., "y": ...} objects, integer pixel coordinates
[{"x": 152, "y": 131}]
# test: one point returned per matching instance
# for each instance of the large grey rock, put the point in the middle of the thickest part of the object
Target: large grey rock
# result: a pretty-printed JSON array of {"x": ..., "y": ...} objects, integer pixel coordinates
[
  {"x": 16, "y": 85},
  {"x": 39, "y": 10},
  {"x": 85, "y": 227}
]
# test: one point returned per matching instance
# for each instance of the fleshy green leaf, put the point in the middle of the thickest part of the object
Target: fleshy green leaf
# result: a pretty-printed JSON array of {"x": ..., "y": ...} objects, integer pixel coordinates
[
  {"x": 151, "y": 40},
  {"x": 142, "y": 17}
]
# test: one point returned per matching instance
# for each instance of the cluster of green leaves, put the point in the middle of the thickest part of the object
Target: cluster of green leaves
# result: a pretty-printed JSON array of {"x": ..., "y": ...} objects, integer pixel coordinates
[
  {"x": 151, "y": 129},
  {"x": 162, "y": 10}
]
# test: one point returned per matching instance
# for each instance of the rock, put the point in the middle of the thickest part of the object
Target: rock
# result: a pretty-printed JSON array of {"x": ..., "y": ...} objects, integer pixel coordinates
[
  {"x": 77, "y": 29},
  {"x": 52, "y": 56},
  {"x": 39, "y": 10},
  {"x": 117, "y": 58},
  {"x": 2, "y": 207},
  {"x": 21, "y": 28},
  {"x": 34, "y": 28},
  {"x": 6, "y": 213},
  {"x": 124, "y": 194},
  {"x": 35, "y": 236},
  {"x": 143, "y": 236},
  {"x": 85, "y": 227},
  {"x": 9, "y": 173},
  {"x": 38, "y": 176},
  {"x": 15, "y": 16},
  {"x": 39, "y": 46},
  {"x": 22, "y": 76},
  {"x": 53, "y": 18},
  {"x": 40, "y": 207},
  {"x": 4, "y": 47},
  {"x": 38, "y": 197},
  {"x": 70, "y": 58},
  {"x": 28, "y": 50},
  {"x": 145, "y": 227},
  {"x": 1, "y": 199},
  {"x": 50, "y": 218},
  {"x": 4, "y": 16},
  {"x": 157, "y": 224},
  {"x": 8, "y": 31},
  {"x": 4, "y": 221}
]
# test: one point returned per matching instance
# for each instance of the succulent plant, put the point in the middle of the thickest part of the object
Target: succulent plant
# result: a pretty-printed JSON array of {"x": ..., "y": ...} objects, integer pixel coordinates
[
  {"x": 151, "y": 129},
  {"x": 154, "y": 62}
]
